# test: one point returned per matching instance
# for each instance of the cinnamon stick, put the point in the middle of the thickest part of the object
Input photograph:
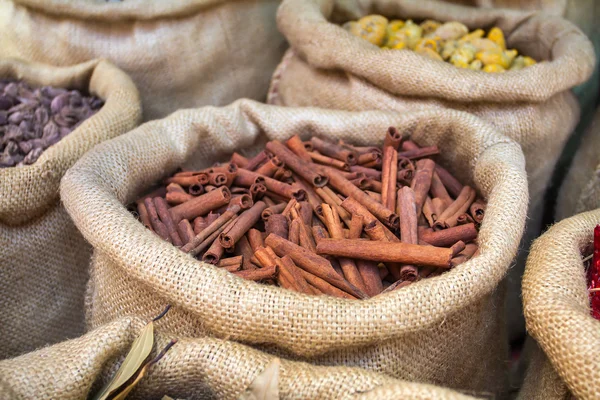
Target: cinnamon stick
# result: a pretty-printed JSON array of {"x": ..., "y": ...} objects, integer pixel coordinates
[
  {"x": 275, "y": 209},
  {"x": 162, "y": 210},
  {"x": 159, "y": 227},
  {"x": 324, "y": 160},
  {"x": 422, "y": 182},
  {"x": 210, "y": 229},
  {"x": 420, "y": 152},
  {"x": 450, "y": 182},
  {"x": 278, "y": 225},
  {"x": 386, "y": 252},
  {"x": 257, "y": 160},
  {"x": 143, "y": 214},
  {"x": 439, "y": 190},
  {"x": 477, "y": 210},
  {"x": 393, "y": 138},
  {"x": 354, "y": 207},
  {"x": 244, "y": 249},
  {"x": 312, "y": 263},
  {"x": 296, "y": 145},
  {"x": 201, "y": 205},
  {"x": 459, "y": 206},
  {"x": 408, "y": 228},
  {"x": 447, "y": 237},
  {"x": 186, "y": 232},
  {"x": 288, "y": 269},
  {"x": 255, "y": 238},
  {"x": 239, "y": 159},
  {"x": 246, "y": 220},
  {"x": 296, "y": 164},
  {"x": 258, "y": 274},
  {"x": 333, "y": 150}
]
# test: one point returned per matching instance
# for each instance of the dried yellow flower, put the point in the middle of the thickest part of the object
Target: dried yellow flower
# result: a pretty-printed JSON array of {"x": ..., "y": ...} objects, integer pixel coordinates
[
  {"x": 493, "y": 68},
  {"x": 497, "y": 36},
  {"x": 429, "y": 26},
  {"x": 451, "y": 31}
]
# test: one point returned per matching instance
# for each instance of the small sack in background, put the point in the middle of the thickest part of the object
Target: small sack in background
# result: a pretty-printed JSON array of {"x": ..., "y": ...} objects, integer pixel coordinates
[
  {"x": 328, "y": 67},
  {"x": 557, "y": 310},
  {"x": 44, "y": 260},
  {"x": 180, "y": 54},
  {"x": 580, "y": 190},
  {"x": 202, "y": 368},
  {"x": 406, "y": 334}
]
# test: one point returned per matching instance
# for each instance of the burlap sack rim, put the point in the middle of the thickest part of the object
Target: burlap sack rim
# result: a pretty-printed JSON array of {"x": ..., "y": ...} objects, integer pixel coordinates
[
  {"x": 483, "y": 272},
  {"x": 33, "y": 188},
  {"x": 541, "y": 302},
  {"x": 223, "y": 368},
  {"x": 115, "y": 11},
  {"x": 295, "y": 17}
]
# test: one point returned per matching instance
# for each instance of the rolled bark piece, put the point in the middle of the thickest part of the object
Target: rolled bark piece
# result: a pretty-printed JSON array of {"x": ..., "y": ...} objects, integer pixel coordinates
[
  {"x": 257, "y": 160},
  {"x": 143, "y": 213},
  {"x": 420, "y": 152},
  {"x": 332, "y": 200},
  {"x": 346, "y": 187},
  {"x": 277, "y": 224},
  {"x": 175, "y": 198},
  {"x": 196, "y": 190},
  {"x": 239, "y": 160},
  {"x": 393, "y": 138},
  {"x": 369, "y": 172},
  {"x": 245, "y": 221},
  {"x": 200, "y": 179},
  {"x": 356, "y": 226},
  {"x": 258, "y": 274},
  {"x": 459, "y": 206},
  {"x": 396, "y": 285},
  {"x": 386, "y": 174},
  {"x": 325, "y": 287},
  {"x": 288, "y": 269},
  {"x": 457, "y": 247},
  {"x": 311, "y": 195},
  {"x": 332, "y": 162},
  {"x": 210, "y": 229},
  {"x": 237, "y": 260},
  {"x": 438, "y": 189},
  {"x": 477, "y": 210},
  {"x": 428, "y": 211},
  {"x": 272, "y": 210},
  {"x": 270, "y": 167},
  {"x": 296, "y": 164},
  {"x": 450, "y": 182},
  {"x": 159, "y": 227},
  {"x": 255, "y": 238},
  {"x": 369, "y": 157},
  {"x": 214, "y": 253},
  {"x": 162, "y": 209},
  {"x": 199, "y": 224},
  {"x": 264, "y": 257},
  {"x": 439, "y": 206},
  {"x": 386, "y": 252},
  {"x": 247, "y": 178},
  {"x": 319, "y": 233},
  {"x": 408, "y": 145},
  {"x": 174, "y": 187},
  {"x": 408, "y": 228},
  {"x": 447, "y": 237},
  {"x": 422, "y": 182},
  {"x": 354, "y": 207},
  {"x": 186, "y": 232},
  {"x": 296, "y": 145},
  {"x": 201, "y": 205},
  {"x": 306, "y": 212},
  {"x": 242, "y": 248},
  {"x": 294, "y": 232},
  {"x": 348, "y": 266},
  {"x": 312, "y": 263},
  {"x": 368, "y": 270},
  {"x": 465, "y": 255},
  {"x": 334, "y": 150}
]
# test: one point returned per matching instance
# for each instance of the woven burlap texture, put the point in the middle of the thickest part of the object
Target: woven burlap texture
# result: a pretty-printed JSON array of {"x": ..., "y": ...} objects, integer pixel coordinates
[
  {"x": 180, "y": 54},
  {"x": 446, "y": 331},
  {"x": 43, "y": 258},
  {"x": 556, "y": 303},
  {"x": 580, "y": 190},
  {"x": 328, "y": 67},
  {"x": 201, "y": 368}
]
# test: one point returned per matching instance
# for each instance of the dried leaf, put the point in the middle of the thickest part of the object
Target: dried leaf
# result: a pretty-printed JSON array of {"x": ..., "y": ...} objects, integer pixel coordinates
[
  {"x": 266, "y": 385},
  {"x": 140, "y": 350},
  {"x": 125, "y": 390}
]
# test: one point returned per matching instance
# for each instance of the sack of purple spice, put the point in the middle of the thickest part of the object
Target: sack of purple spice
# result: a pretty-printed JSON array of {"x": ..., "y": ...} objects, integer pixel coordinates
[{"x": 49, "y": 117}]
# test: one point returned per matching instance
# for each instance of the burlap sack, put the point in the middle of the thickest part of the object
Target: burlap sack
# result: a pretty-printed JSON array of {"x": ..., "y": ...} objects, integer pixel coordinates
[
  {"x": 557, "y": 310},
  {"x": 447, "y": 331},
  {"x": 327, "y": 67},
  {"x": 43, "y": 258},
  {"x": 180, "y": 54},
  {"x": 203, "y": 368},
  {"x": 580, "y": 190}
]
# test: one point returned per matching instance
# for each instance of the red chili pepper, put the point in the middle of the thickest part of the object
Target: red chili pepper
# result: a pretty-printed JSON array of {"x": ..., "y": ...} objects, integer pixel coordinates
[{"x": 594, "y": 275}]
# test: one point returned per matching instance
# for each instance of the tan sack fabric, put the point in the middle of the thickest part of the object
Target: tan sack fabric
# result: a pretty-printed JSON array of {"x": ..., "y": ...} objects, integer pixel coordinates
[
  {"x": 193, "y": 369},
  {"x": 580, "y": 190},
  {"x": 556, "y": 303},
  {"x": 541, "y": 380},
  {"x": 180, "y": 54},
  {"x": 43, "y": 258},
  {"x": 446, "y": 331},
  {"x": 328, "y": 67}
]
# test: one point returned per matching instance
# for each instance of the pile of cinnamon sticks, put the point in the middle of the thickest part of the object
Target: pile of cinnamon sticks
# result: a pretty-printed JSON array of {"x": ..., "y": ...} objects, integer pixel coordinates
[{"x": 322, "y": 217}]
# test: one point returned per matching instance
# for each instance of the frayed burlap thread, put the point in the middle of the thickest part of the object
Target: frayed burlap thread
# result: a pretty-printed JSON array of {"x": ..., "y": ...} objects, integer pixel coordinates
[
  {"x": 580, "y": 190},
  {"x": 43, "y": 258},
  {"x": 447, "y": 331},
  {"x": 180, "y": 54},
  {"x": 556, "y": 303},
  {"x": 328, "y": 67},
  {"x": 201, "y": 368}
]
